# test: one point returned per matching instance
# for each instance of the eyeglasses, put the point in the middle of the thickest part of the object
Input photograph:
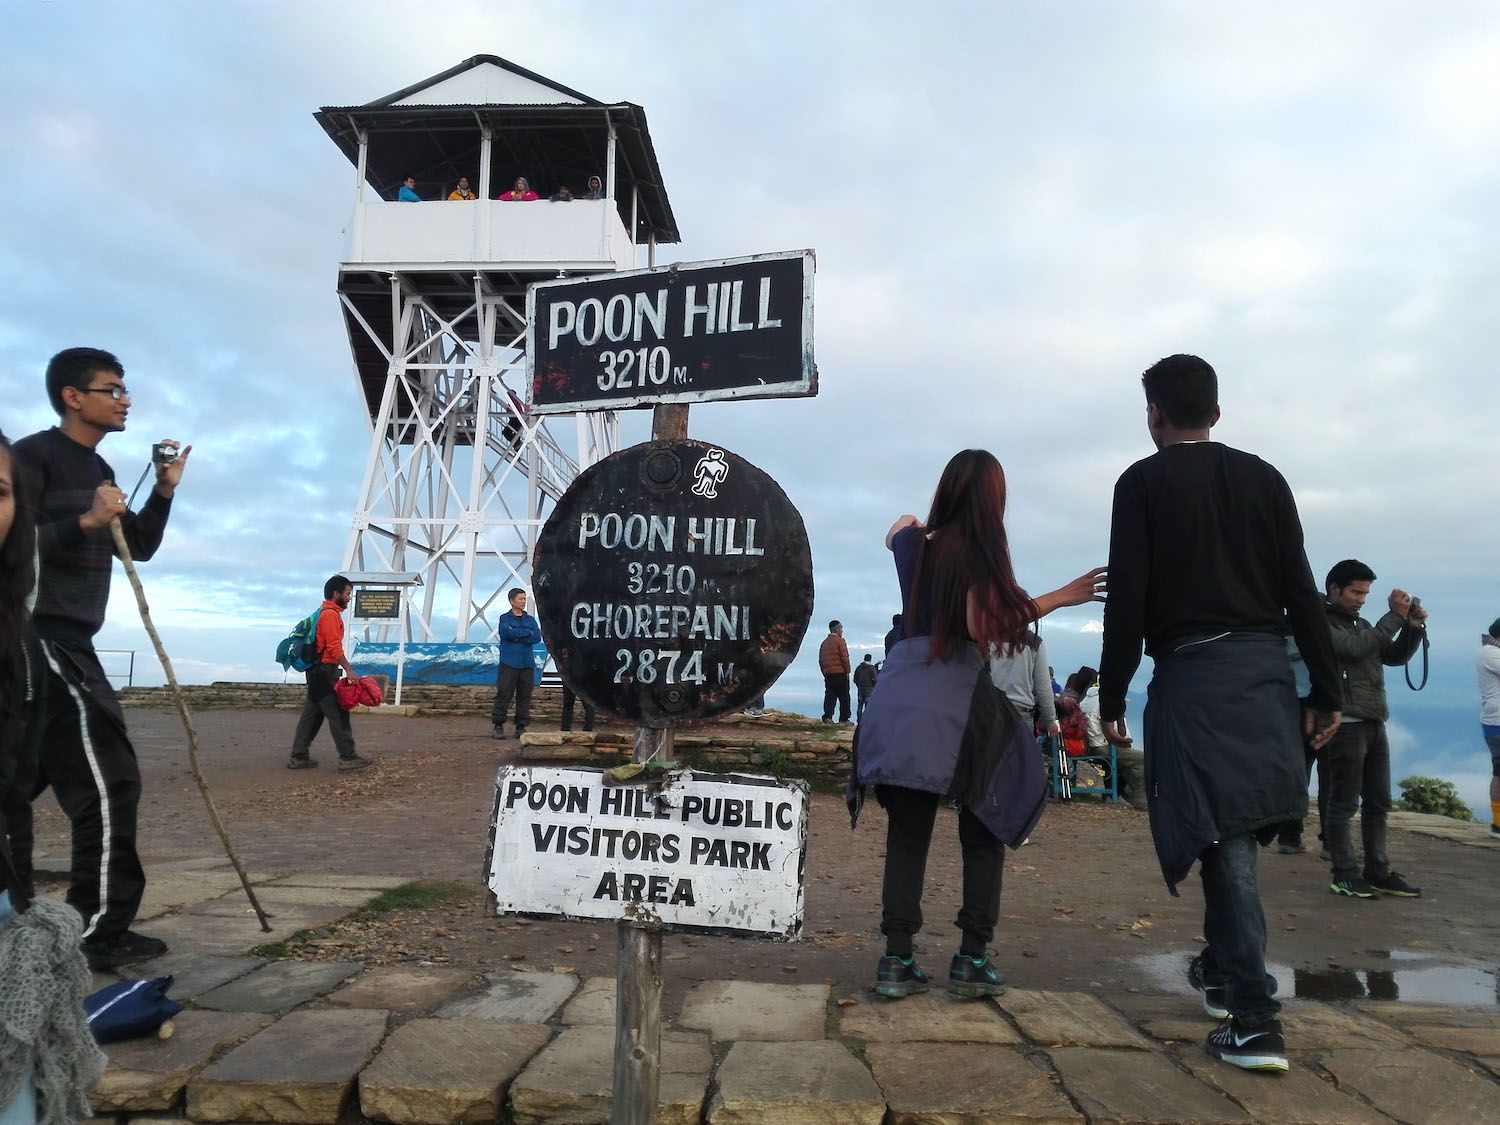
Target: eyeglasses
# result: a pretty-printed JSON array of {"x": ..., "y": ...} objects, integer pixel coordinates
[{"x": 116, "y": 393}]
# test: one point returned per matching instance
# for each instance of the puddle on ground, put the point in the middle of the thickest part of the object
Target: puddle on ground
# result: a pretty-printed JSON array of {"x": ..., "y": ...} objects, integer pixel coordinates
[{"x": 1414, "y": 977}]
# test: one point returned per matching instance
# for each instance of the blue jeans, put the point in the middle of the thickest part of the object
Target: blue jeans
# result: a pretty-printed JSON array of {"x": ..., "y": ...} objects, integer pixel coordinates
[{"x": 1235, "y": 927}]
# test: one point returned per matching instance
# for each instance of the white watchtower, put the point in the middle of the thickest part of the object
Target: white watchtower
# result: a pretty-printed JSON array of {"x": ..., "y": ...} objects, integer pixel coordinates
[{"x": 434, "y": 296}]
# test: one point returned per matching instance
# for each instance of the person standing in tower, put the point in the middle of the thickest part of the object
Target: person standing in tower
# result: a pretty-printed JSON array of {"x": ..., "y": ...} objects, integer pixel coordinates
[
  {"x": 86, "y": 755},
  {"x": 1207, "y": 568}
]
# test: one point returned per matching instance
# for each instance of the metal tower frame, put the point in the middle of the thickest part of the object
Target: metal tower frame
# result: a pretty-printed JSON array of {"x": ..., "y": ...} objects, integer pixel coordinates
[{"x": 459, "y": 472}]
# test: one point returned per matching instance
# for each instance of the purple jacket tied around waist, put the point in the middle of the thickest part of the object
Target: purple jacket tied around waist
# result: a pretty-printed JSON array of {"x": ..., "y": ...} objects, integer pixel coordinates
[{"x": 943, "y": 727}]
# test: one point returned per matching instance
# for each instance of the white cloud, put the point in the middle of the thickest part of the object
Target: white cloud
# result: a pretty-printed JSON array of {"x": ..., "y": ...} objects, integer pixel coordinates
[{"x": 1016, "y": 209}]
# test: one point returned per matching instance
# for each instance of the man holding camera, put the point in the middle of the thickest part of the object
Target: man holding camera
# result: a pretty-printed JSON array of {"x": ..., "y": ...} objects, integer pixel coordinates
[
  {"x": 85, "y": 752},
  {"x": 1358, "y": 759}
]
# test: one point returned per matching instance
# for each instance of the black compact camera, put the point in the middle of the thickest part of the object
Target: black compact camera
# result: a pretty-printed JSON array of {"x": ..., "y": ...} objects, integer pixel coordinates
[{"x": 162, "y": 454}]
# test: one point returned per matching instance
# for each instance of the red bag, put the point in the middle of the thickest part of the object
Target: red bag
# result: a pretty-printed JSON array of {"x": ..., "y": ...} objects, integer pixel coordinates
[{"x": 364, "y": 691}]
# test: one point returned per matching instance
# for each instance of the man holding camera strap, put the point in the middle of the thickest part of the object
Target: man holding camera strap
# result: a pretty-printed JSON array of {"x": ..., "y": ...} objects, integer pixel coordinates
[
  {"x": 1358, "y": 758},
  {"x": 85, "y": 753}
]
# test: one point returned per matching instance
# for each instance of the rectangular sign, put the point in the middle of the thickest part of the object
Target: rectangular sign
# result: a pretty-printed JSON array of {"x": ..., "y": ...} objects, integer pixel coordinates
[
  {"x": 689, "y": 332},
  {"x": 377, "y": 605},
  {"x": 707, "y": 854}
]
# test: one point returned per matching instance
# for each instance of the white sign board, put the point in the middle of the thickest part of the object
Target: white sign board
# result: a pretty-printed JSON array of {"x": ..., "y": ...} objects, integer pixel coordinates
[{"x": 720, "y": 853}]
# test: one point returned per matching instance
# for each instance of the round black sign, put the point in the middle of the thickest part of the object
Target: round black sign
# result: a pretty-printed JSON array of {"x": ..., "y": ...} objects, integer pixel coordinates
[{"x": 673, "y": 583}]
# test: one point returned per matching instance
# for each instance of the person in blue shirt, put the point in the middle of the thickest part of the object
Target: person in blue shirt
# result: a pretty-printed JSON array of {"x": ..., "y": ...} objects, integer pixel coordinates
[
  {"x": 408, "y": 192},
  {"x": 518, "y": 632}
]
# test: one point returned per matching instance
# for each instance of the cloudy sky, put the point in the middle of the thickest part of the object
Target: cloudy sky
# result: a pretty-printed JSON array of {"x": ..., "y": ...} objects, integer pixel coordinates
[{"x": 1016, "y": 208}]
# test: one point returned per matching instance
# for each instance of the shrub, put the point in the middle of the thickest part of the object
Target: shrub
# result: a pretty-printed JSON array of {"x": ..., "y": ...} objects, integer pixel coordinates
[{"x": 1433, "y": 795}]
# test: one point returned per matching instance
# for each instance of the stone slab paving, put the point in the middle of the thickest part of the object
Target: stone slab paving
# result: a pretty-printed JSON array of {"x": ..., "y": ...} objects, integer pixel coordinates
[
  {"x": 206, "y": 933},
  {"x": 1415, "y": 1085},
  {"x": 1299, "y": 1097},
  {"x": 1311, "y": 1027},
  {"x": 346, "y": 882},
  {"x": 319, "y": 901},
  {"x": 433, "y": 1072},
  {"x": 1170, "y": 1018},
  {"x": 570, "y": 1081},
  {"x": 402, "y": 988},
  {"x": 594, "y": 1004},
  {"x": 815, "y": 1083},
  {"x": 300, "y": 1069},
  {"x": 514, "y": 997},
  {"x": 1470, "y": 1040},
  {"x": 998, "y": 1084},
  {"x": 1404, "y": 1015},
  {"x": 193, "y": 973},
  {"x": 1132, "y": 1086},
  {"x": 732, "y": 1010},
  {"x": 150, "y": 1073},
  {"x": 931, "y": 1017},
  {"x": 279, "y": 986},
  {"x": 1069, "y": 1019}
]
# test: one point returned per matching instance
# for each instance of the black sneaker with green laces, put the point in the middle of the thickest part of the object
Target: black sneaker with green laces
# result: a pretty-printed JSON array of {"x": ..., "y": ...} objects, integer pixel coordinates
[
  {"x": 1352, "y": 888},
  {"x": 1213, "y": 994},
  {"x": 1250, "y": 1048},
  {"x": 896, "y": 977},
  {"x": 970, "y": 978},
  {"x": 1393, "y": 884}
]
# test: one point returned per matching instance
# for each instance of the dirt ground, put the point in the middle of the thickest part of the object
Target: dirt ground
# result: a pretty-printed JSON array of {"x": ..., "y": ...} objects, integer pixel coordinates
[{"x": 1084, "y": 905}]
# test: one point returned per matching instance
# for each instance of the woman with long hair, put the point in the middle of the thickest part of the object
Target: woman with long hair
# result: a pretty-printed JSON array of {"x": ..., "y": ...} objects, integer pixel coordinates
[
  {"x": 937, "y": 727},
  {"x": 48, "y": 1060},
  {"x": 19, "y": 662}
]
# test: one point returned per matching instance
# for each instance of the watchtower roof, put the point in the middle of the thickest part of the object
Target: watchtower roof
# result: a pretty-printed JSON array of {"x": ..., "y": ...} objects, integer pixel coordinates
[{"x": 541, "y": 129}]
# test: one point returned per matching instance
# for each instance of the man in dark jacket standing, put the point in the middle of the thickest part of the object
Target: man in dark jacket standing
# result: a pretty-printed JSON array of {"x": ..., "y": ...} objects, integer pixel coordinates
[
  {"x": 833, "y": 662},
  {"x": 1358, "y": 759},
  {"x": 1206, "y": 566},
  {"x": 86, "y": 755},
  {"x": 519, "y": 634}
]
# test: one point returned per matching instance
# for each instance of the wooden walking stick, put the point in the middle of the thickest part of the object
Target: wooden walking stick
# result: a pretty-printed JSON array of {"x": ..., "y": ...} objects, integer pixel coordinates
[{"x": 123, "y": 550}]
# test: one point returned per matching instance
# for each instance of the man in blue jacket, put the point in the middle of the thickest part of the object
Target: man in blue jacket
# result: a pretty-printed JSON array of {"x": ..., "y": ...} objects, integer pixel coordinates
[{"x": 518, "y": 632}]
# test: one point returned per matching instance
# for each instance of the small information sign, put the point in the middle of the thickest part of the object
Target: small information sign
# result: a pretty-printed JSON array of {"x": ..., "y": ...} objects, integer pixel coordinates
[
  {"x": 673, "y": 582},
  {"x": 376, "y": 605},
  {"x": 719, "y": 854},
  {"x": 689, "y": 332}
]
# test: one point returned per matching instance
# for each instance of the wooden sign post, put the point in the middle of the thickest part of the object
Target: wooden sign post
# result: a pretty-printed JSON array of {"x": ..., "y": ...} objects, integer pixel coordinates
[{"x": 673, "y": 583}]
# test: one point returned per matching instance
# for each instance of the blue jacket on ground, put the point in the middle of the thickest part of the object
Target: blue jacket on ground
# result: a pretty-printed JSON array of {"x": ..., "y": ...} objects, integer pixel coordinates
[{"x": 517, "y": 635}]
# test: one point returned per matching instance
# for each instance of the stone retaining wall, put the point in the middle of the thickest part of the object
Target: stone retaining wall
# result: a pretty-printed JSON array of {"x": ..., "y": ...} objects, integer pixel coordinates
[{"x": 777, "y": 743}]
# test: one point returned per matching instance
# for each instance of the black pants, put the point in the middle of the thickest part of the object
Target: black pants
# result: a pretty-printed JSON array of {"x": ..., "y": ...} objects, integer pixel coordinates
[
  {"x": 1290, "y": 833},
  {"x": 516, "y": 682},
  {"x": 910, "y": 815},
  {"x": 568, "y": 700},
  {"x": 87, "y": 759},
  {"x": 1359, "y": 779},
  {"x": 835, "y": 690},
  {"x": 1234, "y": 926},
  {"x": 322, "y": 705}
]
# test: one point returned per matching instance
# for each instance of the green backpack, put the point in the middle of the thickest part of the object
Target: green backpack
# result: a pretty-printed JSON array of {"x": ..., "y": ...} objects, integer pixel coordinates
[{"x": 299, "y": 651}]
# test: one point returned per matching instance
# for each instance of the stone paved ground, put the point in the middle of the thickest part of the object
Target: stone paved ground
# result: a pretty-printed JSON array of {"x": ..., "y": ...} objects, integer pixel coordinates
[{"x": 1097, "y": 1026}]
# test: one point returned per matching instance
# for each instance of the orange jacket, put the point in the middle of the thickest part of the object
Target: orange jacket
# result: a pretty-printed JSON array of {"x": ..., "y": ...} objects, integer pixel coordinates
[
  {"x": 330, "y": 636},
  {"x": 833, "y": 656}
]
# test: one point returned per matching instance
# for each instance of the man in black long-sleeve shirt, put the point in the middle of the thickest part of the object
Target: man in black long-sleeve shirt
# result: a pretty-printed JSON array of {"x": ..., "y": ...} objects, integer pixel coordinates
[
  {"x": 85, "y": 753},
  {"x": 1206, "y": 564}
]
